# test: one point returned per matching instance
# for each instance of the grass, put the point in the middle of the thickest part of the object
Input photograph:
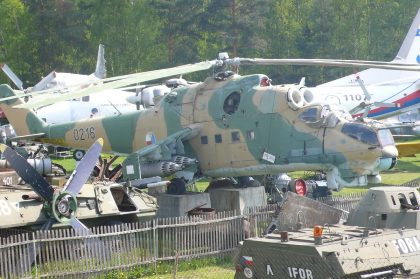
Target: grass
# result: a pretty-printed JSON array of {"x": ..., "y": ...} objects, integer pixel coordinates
[
  {"x": 407, "y": 169},
  {"x": 207, "y": 268}
]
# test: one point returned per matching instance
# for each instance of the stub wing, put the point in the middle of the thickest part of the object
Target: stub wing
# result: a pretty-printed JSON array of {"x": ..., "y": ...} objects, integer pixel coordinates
[
  {"x": 167, "y": 147},
  {"x": 160, "y": 158}
]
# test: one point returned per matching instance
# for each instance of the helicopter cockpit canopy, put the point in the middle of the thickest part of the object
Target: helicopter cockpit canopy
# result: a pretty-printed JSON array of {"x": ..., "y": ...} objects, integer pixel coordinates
[
  {"x": 318, "y": 115},
  {"x": 367, "y": 135}
]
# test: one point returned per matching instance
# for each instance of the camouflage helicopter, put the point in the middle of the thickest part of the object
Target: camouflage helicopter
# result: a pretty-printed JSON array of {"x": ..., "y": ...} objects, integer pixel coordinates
[{"x": 226, "y": 126}]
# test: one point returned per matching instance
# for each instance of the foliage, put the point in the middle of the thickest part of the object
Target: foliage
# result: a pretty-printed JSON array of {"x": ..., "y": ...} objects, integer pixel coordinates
[
  {"x": 193, "y": 268},
  {"x": 39, "y": 36}
]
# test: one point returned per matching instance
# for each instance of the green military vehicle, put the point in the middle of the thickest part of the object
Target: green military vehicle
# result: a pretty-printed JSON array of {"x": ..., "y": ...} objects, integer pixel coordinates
[
  {"x": 380, "y": 240},
  {"x": 39, "y": 204},
  {"x": 100, "y": 203},
  {"x": 388, "y": 208}
]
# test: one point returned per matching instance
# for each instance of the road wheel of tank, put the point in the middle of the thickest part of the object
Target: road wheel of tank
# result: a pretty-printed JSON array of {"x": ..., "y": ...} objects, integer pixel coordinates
[
  {"x": 78, "y": 154},
  {"x": 176, "y": 187}
]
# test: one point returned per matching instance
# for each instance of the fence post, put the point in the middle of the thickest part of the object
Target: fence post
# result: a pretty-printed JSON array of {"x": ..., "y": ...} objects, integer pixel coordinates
[
  {"x": 155, "y": 243},
  {"x": 35, "y": 254}
]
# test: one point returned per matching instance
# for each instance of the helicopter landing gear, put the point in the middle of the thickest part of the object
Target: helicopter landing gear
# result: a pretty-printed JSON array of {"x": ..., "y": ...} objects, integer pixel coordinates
[{"x": 78, "y": 154}]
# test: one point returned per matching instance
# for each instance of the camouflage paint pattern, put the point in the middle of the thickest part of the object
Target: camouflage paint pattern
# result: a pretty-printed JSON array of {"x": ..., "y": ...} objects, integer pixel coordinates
[{"x": 260, "y": 133}]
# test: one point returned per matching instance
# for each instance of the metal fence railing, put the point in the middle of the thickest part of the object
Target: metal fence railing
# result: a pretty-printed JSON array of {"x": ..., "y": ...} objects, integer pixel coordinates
[
  {"x": 65, "y": 252},
  {"x": 344, "y": 202}
]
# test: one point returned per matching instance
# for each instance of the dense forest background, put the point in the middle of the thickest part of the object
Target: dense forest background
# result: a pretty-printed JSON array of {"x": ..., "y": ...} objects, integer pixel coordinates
[{"x": 38, "y": 36}]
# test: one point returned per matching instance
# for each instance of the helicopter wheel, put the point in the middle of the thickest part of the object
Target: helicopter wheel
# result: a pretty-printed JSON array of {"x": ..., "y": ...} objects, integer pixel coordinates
[{"x": 78, "y": 154}]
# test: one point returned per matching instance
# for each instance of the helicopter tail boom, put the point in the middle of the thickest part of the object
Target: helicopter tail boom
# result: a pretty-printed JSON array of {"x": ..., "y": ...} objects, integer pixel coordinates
[{"x": 25, "y": 121}]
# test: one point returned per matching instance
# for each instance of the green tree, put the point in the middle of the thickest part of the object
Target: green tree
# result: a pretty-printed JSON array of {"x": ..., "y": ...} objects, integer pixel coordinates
[
  {"x": 15, "y": 22},
  {"x": 130, "y": 31}
]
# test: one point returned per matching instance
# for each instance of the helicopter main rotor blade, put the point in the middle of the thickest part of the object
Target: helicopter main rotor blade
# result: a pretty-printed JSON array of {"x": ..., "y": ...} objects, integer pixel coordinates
[
  {"x": 368, "y": 97},
  {"x": 127, "y": 80},
  {"x": 121, "y": 81},
  {"x": 326, "y": 62},
  {"x": 358, "y": 108},
  {"x": 84, "y": 168},
  {"x": 386, "y": 105},
  {"x": 28, "y": 173},
  {"x": 79, "y": 227}
]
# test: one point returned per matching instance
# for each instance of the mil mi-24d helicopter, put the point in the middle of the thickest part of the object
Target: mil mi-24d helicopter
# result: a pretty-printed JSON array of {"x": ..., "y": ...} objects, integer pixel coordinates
[{"x": 227, "y": 126}]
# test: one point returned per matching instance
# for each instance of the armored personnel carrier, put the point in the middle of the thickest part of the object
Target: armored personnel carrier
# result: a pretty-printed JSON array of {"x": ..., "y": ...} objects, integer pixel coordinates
[
  {"x": 383, "y": 241},
  {"x": 38, "y": 204},
  {"x": 388, "y": 207},
  {"x": 101, "y": 203}
]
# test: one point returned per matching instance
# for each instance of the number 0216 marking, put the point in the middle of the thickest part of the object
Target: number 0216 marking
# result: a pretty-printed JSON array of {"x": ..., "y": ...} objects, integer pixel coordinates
[{"x": 84, "y": 133}]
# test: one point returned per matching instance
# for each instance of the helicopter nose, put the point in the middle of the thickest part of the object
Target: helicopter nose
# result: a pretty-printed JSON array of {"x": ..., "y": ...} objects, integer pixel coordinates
[
  {"x": 387, "y": 163},
  {"x": 389, "y": 151}
]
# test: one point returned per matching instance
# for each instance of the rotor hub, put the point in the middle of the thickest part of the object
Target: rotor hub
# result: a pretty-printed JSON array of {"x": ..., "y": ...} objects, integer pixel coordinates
[{"x": 64, "y": 206}]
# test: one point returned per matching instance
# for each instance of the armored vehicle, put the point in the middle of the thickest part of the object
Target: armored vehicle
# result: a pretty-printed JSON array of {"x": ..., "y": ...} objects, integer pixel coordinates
[
  {"x": 388, "y": 207},
  {"x": 100, "y": 203},
  {"x": 382, "y": 242},
  {"x": 77, "y": 203}
]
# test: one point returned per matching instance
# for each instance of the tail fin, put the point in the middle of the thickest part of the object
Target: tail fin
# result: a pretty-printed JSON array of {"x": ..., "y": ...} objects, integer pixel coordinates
[
  {"x": 410, "y": 49},
  {"x": 408, "y": 53},
  {"x": 24, "y": 121},
  {"x": 43, "y": 83},
  {"x": 100, "y": 71}
]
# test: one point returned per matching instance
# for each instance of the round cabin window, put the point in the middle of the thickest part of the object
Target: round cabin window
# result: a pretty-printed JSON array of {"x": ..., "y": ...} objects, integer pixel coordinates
[{"x": 231, "y": 103}]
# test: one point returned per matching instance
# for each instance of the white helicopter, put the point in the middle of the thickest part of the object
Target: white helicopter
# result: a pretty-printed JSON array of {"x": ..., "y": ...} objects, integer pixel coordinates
[
  {"x": 378, "y": 93},
  {"x": 105, "y": 103}
]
